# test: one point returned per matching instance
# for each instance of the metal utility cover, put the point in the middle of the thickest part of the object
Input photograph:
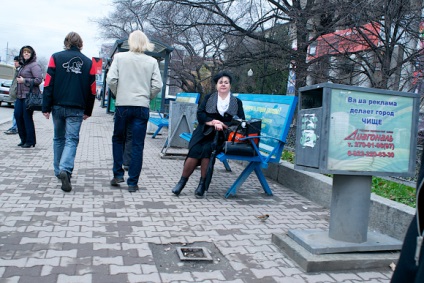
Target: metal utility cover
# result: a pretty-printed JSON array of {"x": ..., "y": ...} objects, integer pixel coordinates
[{"x": 194, "y": 253}]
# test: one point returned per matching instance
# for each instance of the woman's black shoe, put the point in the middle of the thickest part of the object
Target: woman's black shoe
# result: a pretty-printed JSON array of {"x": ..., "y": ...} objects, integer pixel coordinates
[
  {"x": 180, "y": 186},
  {"x": 200, "y": 191},
  {"x": 21, "y": 144},
  {"x": 28, "y": 145}
]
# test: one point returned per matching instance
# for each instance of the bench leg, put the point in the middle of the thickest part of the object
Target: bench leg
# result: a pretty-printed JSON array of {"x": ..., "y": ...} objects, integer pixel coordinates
[
  {"x": 240, "y": 180},
  {"x": 226, "y": 165},
  {"x": 262, "y": 180},
  {"x": 157, "y": 132}
]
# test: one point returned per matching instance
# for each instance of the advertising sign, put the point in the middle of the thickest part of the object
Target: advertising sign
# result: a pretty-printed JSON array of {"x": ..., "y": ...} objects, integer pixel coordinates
[
  {"x": 273, "y": 113},
  {"x": 369, "y": 132}
]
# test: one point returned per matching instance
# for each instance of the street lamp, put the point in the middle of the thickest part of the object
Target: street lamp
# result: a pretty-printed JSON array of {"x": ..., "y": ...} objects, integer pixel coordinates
[{"x": 249, "y": 87}]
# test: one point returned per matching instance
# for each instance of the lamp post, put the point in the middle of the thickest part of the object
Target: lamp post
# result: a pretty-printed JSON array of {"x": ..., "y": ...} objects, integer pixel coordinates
[{"x": 249, "y": 87}]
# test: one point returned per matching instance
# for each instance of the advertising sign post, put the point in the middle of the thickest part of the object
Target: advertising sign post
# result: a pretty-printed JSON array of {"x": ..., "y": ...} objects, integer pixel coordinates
[{"x": 354, "y": 133}]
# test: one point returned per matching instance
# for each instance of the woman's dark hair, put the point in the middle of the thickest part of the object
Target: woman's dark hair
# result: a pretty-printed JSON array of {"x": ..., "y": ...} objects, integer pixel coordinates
[{"x": 222, "y": 74}]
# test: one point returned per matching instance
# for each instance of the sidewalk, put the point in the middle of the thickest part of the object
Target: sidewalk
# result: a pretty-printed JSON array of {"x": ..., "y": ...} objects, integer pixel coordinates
[{"x": 97, "y": 233}]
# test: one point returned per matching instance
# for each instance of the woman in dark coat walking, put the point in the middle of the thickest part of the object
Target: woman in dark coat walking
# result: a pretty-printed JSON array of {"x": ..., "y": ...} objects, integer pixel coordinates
[
  {"x": 214, "y": 114},
  {"x": 29, "y": 74}
]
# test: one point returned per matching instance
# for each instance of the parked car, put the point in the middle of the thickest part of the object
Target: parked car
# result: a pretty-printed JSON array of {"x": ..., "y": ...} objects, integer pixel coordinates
[{"x": 4, "y": 92}]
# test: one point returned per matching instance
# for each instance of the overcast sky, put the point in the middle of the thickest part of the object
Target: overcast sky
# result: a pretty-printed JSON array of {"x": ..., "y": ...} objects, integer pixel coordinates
[{"x": 43, "y": 24}]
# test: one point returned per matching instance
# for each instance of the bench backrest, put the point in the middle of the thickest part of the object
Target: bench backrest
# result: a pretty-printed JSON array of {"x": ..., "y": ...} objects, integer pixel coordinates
[
  {"x": 190, "y": 97},
  {"x": 276, "y": 112}
]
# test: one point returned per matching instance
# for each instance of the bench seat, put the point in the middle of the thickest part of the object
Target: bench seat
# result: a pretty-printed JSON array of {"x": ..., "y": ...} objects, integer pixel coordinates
[{"x": 160, "y": 123}]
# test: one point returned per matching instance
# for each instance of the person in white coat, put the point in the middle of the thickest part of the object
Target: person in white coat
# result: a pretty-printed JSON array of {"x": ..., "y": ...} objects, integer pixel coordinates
[{"x": 135, "y": 79}]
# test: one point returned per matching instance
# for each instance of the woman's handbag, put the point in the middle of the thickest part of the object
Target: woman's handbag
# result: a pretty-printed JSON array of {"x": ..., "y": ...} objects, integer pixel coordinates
[
  {"x": 33, "y": 101},
  {"x": 235, "y": 146}
]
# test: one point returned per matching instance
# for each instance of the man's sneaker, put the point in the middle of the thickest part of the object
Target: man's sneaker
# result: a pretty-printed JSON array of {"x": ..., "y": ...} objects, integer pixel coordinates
[
  {"x": 116, "y": 180},
  {"x": 66, "y": 181},
  {"x": 11, "y": 132},
  {"x": 133, "y": 189}
]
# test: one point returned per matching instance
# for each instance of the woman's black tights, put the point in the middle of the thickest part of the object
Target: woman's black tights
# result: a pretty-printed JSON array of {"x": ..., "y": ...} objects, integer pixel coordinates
[{"x": 191, "y": 164}]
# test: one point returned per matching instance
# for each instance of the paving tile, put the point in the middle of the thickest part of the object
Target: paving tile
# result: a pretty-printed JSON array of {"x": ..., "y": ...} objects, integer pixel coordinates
[
  {"x": 124, "y": 269},
  {"x": 75, "y": 279}
]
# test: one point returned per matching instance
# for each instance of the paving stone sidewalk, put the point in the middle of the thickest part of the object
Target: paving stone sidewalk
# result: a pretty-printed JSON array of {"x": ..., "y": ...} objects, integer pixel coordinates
[{"x": 98, "y": 233}]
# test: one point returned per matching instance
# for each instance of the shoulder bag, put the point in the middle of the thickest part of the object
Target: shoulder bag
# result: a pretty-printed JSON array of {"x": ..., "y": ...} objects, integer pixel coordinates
[
  {"x": 33, "y": 101},
  {"x": 235, "y": 146}
]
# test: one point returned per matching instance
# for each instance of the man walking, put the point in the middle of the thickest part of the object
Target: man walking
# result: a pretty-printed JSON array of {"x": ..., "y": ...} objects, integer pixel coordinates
[
  {"x": 69, "y": 94},
  {"x": 135, "y": 79}
]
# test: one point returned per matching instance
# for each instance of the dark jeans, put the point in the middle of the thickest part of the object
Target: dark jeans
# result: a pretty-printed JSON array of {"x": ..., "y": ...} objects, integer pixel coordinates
[
  {"x": 128, "y": 146},
  {"x": 24, "y": 122},
  {"x": 136, "y": 118}
]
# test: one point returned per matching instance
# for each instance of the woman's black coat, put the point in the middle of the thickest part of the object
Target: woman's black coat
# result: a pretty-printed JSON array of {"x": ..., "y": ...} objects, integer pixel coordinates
[
  {"x": 407, "y": 269},
  {"x": 206, "y": 115}
]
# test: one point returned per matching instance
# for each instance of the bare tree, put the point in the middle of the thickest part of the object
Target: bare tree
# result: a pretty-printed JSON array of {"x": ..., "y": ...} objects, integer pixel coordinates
[
  {"x": 128, "y": 15},
  {"x": 202, "y": 40},
  {"x": 43, "y": 62},
  {"x": 252, "y": 18},
  {"x": 384, "y": 63},
  {"x": 11, "y": 53},
  {"x": 376, "y": 45},
  {"x": 197, "y": 52},
  {"x": 214, "y": 34}
]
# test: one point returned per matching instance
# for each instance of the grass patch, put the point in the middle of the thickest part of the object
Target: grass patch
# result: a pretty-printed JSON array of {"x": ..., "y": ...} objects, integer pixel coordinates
[
  {"x": 394, "y": 191},
  {"x": 385, "y": 188}
]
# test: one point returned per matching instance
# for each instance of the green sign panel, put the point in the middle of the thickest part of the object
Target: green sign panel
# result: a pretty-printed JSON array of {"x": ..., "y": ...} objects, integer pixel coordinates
[{"x": 369, "y": 132}]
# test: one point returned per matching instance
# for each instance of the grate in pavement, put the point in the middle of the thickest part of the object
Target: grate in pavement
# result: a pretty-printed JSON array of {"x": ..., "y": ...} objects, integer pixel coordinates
[
  {"x": 194, "y": 253},
  {"x": 167, "y": 259}
]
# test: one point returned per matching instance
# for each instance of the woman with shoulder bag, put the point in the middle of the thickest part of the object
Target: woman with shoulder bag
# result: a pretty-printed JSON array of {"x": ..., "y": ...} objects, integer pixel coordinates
[
  {"x": 29, "y": 74},
  {"x": 215, "y": 113}
]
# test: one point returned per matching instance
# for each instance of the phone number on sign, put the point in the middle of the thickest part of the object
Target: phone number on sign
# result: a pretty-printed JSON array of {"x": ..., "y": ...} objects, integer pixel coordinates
[{"x": 370, "y": 153}]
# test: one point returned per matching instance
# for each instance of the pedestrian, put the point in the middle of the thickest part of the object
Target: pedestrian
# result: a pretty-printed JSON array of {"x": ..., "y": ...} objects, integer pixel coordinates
[
  {"x": 29, "y": 75},
  {"x": 215, "y": 113},
  {"x": 135, "y": 79},
  {"x": 14, "y": 129},
  {"x": 410, "y": 267},
  {"x": 69, "y": 94}
]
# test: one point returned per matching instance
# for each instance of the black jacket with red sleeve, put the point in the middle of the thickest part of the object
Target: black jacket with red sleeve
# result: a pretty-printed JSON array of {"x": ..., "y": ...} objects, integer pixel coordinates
[{"x": 70, "y": 81}]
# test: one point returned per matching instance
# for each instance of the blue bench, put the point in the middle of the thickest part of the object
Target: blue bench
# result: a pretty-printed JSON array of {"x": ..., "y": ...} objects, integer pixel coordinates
[
  {"x": 186, "y": 136},
  {"x": 162, "y": 121},
  {"x": 276, "y": 112}
]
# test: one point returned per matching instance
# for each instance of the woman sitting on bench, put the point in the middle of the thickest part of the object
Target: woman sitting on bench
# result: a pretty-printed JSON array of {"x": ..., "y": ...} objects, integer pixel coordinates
[{"x": 214, "y": 114}]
